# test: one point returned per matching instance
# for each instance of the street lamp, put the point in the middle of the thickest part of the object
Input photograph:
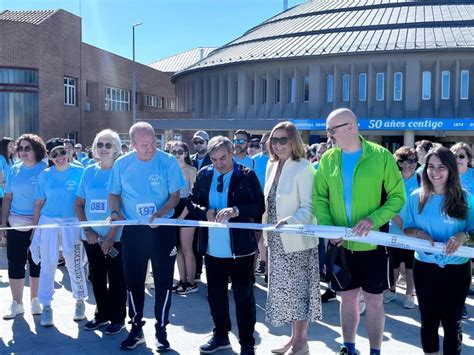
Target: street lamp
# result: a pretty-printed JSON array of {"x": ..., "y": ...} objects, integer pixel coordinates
[{"x": 134, "y": 74}]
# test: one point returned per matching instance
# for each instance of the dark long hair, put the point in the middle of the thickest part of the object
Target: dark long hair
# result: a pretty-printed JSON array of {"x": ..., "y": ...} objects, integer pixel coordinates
[
  {"x": 185, "y": 147},
  {"x": 4, "y": 149},
  {"x": 455, "y": 199}
]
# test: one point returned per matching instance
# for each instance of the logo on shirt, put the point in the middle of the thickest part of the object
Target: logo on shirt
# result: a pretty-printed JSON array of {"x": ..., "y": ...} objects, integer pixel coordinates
[
  {"x": 155, "y": 180},
  {"x": 33, "y": 180},
  {"x": 70, "y": 185}
]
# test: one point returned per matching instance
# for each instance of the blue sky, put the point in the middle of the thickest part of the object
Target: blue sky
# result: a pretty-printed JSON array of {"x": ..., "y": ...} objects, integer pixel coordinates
[{"x": 169, "y": 26}]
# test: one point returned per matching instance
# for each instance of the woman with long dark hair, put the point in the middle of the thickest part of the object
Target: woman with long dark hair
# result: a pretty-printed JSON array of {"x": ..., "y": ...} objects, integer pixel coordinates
[
  {"x": 7, "y": 151},
  {"x": 440, "y": 211}
]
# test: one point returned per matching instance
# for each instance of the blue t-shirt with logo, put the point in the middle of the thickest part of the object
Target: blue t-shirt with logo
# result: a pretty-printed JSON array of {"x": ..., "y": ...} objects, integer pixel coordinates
[
  {"x": 58, "y": 189},
  {"x": 349, "y": 162},
  {"x": 261, "y": 161},
  {"x": 21, "y": 182},
  {"x": 247, "y": 161},
  {"x": 145, "y": 186}
]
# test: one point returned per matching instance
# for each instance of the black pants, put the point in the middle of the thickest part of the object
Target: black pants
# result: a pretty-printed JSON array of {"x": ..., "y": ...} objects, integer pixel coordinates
[
  {"x": 111, "y": 300},
  {"x": 140, "y": 244},
  {"x": 18, "y": 253},
  {"x": 241, "y": 273},
  {"x": 441, "y": 295}
]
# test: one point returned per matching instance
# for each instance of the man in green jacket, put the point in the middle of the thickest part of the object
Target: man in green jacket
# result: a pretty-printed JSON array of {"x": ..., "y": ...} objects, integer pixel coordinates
[{"x": 358, "y": 185}]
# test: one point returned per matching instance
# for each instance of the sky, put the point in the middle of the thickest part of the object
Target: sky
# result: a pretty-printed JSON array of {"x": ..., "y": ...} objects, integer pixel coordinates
[{"x": 169, "y": 26}]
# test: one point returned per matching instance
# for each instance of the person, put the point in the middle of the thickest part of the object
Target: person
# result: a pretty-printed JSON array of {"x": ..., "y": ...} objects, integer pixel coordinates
[
  {"x": 18, "y": 207},
  {"x": 227, "y": 191},
  {"x": 57, "y": 186},
  {"x": 422, "y": 148},
  {"x": 356, "y": 167},
  {"x": 71, "y": 153},
  {"x": 185, "y": 257},
  {"x": 125, "y": 148},
  {"x": 293, "y": 287},
  {"x": 104, "y": 265},
  {"x": 407, "y": 161},
  {"x": 79, "y": 153},
  {"x": 440, "y": 211},
  {"x": 320, "y": 150},
  {"x": 254, "y": 147},
  {"x": 151, "y": 193},
  {"x": 200, "y": 159},
  {"x": 241, "y": 145},
  {"x": 7, "y": 149}
]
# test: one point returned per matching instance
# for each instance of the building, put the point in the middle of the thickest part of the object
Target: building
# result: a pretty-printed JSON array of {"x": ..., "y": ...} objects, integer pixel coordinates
[
  {"x": 405, "y": 67},
  {"x": 53, "y": 84}
]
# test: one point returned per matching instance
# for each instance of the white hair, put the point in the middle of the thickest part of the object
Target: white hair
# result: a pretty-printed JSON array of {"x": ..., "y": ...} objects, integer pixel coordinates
[{"x": 116, "y": 142}]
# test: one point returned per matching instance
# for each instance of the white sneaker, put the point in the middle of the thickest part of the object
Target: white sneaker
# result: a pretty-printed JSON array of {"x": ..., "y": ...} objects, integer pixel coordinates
[
  {"x": 80, "y": 312},
  {"x": 35, "y": 306},
  {"x": 47, "y": 317},
  {"x": 362, "y": 307},
  {"x": 14, "y": 310},
  {"x": 389, "y": 296},
  {"x": 409, "y": 302}
]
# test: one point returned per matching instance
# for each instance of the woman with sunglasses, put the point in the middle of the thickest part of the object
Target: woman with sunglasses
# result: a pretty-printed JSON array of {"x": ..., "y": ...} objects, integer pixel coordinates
[
  {"x": 440, "y": 211},
  {"x": 55, "y": 194},
  {"x": 293, "y": 282},
  {"x": 18, "y": 207},
  {"x": 103, "y": 243},
  {"x": 463, "y": 154},
  {"x": 185, "y": 259}
]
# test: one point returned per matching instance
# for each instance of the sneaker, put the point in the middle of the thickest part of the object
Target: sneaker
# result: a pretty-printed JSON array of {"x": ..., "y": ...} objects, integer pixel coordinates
[
  {"x": 409, "y": 302},
  {"x": 260, "y": 270},
  {"x": 180, "y": 285},
  {"x": 389, "y": 296},
  {"x": 343, "y": 350},
  {"x": 247, "y": 350},
  {"x": 95, "y": 324},
  {"x": 362, "y": 307},
  {"x": 47, "y": 317},
  {"x": 35, "y": 306},
  {"x": 80, "y": 311},
  {"x": 14, "y": 310},
  {"x": 114, "y": 328},
  {"x": 135, "y": 337},
  {"x": 327, "y": 296},
  {"x": 187, "y": 288},
  {"x": 215, "y": 344},
  {"x": 161, "y": 340},
  {"x": 464, "y": 313}
]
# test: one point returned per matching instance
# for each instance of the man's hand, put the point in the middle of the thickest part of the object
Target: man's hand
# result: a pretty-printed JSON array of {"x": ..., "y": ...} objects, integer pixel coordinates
[
  {"x": 107, "y": 244},
  {"x": 158, "y": 214},
  {"x": 211, "y": 215},
  {"x": 225, "y": 214},
  {"x": 363, "y": 227},
  {"x": 115, "y": 216}
]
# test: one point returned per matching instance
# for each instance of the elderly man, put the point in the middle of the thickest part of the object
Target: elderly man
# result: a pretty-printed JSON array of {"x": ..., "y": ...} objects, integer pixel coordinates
[
  {"x": 358, "y": 185},
  {"x": 145, "y": 184},
  {"x": 226, "y": 191}
]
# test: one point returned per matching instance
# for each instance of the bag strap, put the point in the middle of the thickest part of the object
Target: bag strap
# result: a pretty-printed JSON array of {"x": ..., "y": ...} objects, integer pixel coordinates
[{"x": 342, "y": 256}]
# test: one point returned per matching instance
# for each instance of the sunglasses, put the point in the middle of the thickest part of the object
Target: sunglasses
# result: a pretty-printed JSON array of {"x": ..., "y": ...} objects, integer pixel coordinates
[
  {"x": 26, "y": 148},
  {"x": 240, "y": 141},
  {"x": 57, "y": 153},
  {"x": 101, "y": 145},
  {"x": 460, "y": 156},
  {"x": 256, "y": 146},
  {"x": 411, "y": 161},
  {"x": 198, "y": 142},
  {"x": 331, "y": 130},
  {"x": 281, "y": 140},
  {"x": 177, "y": 152},
  {"x": 220, "y": 183}
]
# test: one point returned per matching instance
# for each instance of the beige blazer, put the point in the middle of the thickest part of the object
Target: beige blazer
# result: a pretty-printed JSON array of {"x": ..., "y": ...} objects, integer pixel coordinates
[{"x": 293, "y": 200}]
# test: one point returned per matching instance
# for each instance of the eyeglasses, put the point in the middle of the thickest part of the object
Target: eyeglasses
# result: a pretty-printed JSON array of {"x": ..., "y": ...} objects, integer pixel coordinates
[
  {"x": 57, "y": 153},
  {"x": 460, "y": 156},
  {"x": 177, "y": 152},
  {"x": 240, "y": 141},
  {"x": 26, "y": 148},
  {"x": 280, "y": 140},
  {"x": 411, "y": 161},
  {"x": 220, "y": 183},
  {"x": 197, "y": 142},
  {"x": 101, "y": 145},
  {"x": 331, "y": 130},
  {"x": 256, "y": 146}
]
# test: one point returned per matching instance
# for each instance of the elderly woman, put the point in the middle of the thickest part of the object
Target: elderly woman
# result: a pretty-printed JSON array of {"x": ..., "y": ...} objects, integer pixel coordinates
[
  {"x": 293, "y": 290},
  {"x": 18, "y": 208},
  {"x": 463, "y": 154}
]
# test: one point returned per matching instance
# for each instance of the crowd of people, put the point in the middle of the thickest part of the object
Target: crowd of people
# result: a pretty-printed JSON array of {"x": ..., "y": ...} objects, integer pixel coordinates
[{"x": 276, "y": 179}]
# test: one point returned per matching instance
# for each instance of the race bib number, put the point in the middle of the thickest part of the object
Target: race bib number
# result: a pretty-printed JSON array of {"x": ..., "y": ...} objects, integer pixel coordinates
[
  {"x": 146, "y": 209},
  {"x": 98, "y": 206}
]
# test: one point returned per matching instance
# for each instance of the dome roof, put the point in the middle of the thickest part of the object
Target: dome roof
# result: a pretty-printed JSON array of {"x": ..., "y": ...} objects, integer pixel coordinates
[{"x": 336, "y": 27}]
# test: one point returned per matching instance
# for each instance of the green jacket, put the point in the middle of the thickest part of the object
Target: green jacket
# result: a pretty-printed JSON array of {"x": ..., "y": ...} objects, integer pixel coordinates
[{"x": 375, "y": 168}]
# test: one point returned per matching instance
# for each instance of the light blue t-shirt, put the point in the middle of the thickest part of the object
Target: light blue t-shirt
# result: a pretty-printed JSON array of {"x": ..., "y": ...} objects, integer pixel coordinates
[
  {"x": 467, "y": 180},
  {"x": 21, "y": 182},
  {"x": 437, "y": 224},
  {"x": 411, "y": 184},
  {"x": 261, "y": 161},
  {"x": 58, "y": 189},
  {"x": 247, "y": 161},
  {"x": 5, "y": 169},
  {"x": 145, "y": 186},
  {"x": 93, "y": 189},
  {"x": 349, "y": 162},
  {"x": 219, "y": 238}
]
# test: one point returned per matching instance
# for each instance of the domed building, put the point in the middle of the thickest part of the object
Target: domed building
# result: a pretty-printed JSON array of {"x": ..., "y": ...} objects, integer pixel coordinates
[{"x": 404, "y": 67}]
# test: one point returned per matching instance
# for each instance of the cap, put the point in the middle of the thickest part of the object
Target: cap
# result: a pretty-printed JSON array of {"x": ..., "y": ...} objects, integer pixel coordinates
[
  {"x": 78, "y": 145},
  {"x": 54, "y": 143},
  {"x": 201, "y": 134}
]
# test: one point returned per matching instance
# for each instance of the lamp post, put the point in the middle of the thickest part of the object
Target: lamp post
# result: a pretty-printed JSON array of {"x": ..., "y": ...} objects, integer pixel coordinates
[{"x": 134, "y": 79}]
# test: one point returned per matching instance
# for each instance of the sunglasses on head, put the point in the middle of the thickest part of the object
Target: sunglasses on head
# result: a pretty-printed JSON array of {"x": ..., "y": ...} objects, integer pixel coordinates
[
  {"x": 26, "y": 148},
  {"x": 460, "y": 156},
  {"x": 57, "y": 153},
  {"x": 177, "y": 152},
  {"x": 101, "y": 145},
  {"x": 198, "y": 141},
  {"x": 281, "y": 140},
  {"x": 240, "y": 141}
]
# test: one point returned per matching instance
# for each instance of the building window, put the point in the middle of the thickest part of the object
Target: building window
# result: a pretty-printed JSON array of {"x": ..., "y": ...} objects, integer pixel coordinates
[
  {"x": 170, "y": 104},
  {"x": 464, "y": 85},
  {"x": 69, "y": 91},
  {"x": 252, "y": 92},
  {"x": 277, "y": 90},
  {"x": 291, "y": 89},
  {"x": 26, "y": 77},
  {"x": 177, "y": 137},
  {"x": 380, "y": 87},
  {"x": 329, "y": 88},
  {"x": 363, "y": 87},
  {"x": 116, "y": 99},
  {"x": 426, "y": 86},
  {"x": 397, "y": 86},
  {"x": 72, "y": 136},
  {"x": 154, "y": 101},
  {"x": 305, "y": 88},
  {"x": 264, "y": 91},
  {"x": 445, "y": 84},
  {"x": 346, "y": 81}
]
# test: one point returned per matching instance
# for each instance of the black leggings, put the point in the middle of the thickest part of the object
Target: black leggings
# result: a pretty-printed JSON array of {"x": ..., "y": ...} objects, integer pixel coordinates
[
  {"x": 441, "y": 295},
  {"x": 18, "y": 253}
]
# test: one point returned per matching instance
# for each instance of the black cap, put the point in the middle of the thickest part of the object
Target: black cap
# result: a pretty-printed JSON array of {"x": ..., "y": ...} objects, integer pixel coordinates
[{"x": 53, "y": 143}]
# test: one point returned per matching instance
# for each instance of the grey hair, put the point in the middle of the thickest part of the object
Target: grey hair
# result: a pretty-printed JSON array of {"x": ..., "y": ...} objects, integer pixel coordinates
[
  {"x": 141, "y": 126},
  {"x": 117, "y": 143},
  {"x": 220, "y": 141}
]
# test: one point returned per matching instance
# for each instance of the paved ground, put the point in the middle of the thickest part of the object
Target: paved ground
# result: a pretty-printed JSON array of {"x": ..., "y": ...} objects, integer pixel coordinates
[{"x": 191, "y": 325}]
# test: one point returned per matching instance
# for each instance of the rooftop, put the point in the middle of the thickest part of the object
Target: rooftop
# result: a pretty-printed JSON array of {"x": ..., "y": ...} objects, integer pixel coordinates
[
  {"x": 33, "y": 17},
  {"x": 182, "y": 60}
]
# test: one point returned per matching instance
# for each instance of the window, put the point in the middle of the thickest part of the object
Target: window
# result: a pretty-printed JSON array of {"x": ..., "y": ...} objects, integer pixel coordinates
[
  {"x": 464, "y": 85},
  {"x": 363, "y": 87},
  {"x": 380, "y": 87},
  {"x": 27, "y": 77},
  {"x": 329, "y": 88},
  {"x": 397, "y": 86},
  {"x": 177, "y": 137},
  {"x": 445, "y": 84},
  {"x": 69, "y": 91},
  {"x": 170, "y": 104},
  {"x": 264, "y": 91},
  {"x": 252, "y": 92},
  {"x": 305, "y": 88},
  {"x": 72, "y": 136},
  {"x": 116, "y": 99},
  {"x": 426, "y": 86},
  {"x": 291, "y": 89},
  {"x": 277, "y": 90},
  {"x": 346, "y": 78},
  {"x": 154, "y": 101}
]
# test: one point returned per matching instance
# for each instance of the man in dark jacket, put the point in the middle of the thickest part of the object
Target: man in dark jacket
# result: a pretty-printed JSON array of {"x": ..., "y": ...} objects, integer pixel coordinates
[
  {"x": 201, "y": 158},
  {"x": 226, "y": 191}
]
